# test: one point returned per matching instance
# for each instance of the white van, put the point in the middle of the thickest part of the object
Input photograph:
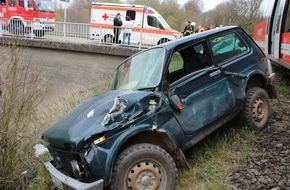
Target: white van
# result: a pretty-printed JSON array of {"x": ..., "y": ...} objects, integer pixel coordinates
[{"x": 149, "y": 27}]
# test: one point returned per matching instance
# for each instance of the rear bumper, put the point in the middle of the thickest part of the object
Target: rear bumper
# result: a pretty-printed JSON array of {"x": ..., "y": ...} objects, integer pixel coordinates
[{"x": 61, "y": 180}]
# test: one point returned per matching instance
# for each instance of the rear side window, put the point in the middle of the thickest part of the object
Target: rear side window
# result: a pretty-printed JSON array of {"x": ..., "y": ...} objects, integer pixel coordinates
[
  {"x": 2, "y": 2},
  {"x": 21, "y": 3},
  {"x": 226, "y": 47},
  {"x": 131, "y": 14},
  {"x": 287, "y": 22},
  {"x": 176, "y": 63},
  {"x": 12, "y": 3}
]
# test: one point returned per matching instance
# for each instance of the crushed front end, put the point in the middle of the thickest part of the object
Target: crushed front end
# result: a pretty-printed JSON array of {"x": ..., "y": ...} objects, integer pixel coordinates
[{"x": 82, "y": 142}]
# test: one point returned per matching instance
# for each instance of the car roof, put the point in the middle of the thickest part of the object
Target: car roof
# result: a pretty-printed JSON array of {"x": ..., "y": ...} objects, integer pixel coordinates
[{"x": 196, "y": 37}]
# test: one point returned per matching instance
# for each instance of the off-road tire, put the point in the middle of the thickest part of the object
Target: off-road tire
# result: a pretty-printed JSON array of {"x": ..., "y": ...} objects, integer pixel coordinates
[
  {"x": 144, "y": 166},
  {"x": 256, "y": 109}
]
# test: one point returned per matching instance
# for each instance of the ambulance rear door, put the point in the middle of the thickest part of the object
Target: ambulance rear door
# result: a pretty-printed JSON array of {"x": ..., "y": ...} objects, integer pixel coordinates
[{"x": 276, "y": 29}]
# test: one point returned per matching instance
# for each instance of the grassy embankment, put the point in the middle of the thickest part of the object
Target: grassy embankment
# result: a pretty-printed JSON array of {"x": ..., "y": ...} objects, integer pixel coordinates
[{"x": 210, "y": 160}]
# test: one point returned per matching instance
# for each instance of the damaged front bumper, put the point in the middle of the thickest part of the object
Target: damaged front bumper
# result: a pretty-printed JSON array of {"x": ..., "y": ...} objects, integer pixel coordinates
[{"x": 60, "y": 180}]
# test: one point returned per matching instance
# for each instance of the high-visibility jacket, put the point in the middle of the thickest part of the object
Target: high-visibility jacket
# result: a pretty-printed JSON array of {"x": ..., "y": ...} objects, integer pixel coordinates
[{"x": 187, "y": 30}]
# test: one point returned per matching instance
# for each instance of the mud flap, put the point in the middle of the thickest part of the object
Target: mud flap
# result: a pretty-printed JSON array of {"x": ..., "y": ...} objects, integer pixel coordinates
[
  {"x": 272, "y": 93},
  {"x": 180, "y": 159}
]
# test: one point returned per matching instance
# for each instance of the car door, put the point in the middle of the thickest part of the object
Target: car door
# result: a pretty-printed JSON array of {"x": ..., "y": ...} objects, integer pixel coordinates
[
  {"x": 203, "y": 88},
  {"x": 232, "y": 56}
]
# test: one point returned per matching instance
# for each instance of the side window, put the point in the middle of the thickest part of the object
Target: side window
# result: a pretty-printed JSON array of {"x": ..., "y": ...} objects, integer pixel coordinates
[
  {"x": 153, "y": 21},
  {"x": 131, "y": 14},
  {"x": 12, "y": 3},
  {"x": 188, "y": 60},
  {"x": 21, "y": 3},
  {"x": 176, "y": 63},
  {"x": 226, "y": 47},
  {"x": 287, "y": 21},
  {"x": 2, "y": 2},
  {"x": 28, "y": 4}
]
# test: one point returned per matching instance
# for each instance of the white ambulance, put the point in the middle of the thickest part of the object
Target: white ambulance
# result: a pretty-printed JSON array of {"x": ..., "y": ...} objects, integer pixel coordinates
[{"x": 149, "y": 27}]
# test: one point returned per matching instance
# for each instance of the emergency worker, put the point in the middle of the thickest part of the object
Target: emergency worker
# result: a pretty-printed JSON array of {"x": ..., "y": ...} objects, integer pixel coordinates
[
  {"x": 201, "y": 29},
  {"x": 188, "y": 29},
  {"x": 128, "y": 25},
  {"x": 117, "y": 27}
]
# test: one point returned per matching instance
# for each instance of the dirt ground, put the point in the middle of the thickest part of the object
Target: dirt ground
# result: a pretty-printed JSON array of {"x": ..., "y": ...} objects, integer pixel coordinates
[{"x": 268, "y": 166}]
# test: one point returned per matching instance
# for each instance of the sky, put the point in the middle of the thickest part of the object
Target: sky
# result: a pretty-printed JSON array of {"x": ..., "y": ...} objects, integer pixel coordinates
[{"x": 208, "y": 4}]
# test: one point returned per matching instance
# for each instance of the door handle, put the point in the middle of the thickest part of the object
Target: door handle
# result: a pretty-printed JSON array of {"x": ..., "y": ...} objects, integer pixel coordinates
[{"x": 215, "y": 73}]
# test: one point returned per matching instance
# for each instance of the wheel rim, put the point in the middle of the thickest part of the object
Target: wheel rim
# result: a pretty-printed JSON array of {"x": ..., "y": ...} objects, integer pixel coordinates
[
  {"x": 259, "y": 111},
  {"x": 145, "y": 175}
]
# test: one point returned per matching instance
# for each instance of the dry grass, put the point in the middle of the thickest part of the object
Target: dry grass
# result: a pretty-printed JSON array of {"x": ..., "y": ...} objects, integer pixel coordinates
[
  {"x": 27, "y": 108},
  {"x": 21, "y": 92},
  {"x": 212, "y": 159},
  {"x": 54, "y": 106}
]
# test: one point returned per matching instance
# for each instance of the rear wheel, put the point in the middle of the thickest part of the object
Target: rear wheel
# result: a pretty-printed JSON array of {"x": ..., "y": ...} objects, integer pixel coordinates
[
  {"x": 256, "y": 109},
  {"x": 144, "y": 166}
]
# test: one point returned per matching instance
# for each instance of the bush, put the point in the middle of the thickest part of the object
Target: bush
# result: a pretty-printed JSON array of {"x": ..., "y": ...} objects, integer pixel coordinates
[
  {"x": 21, "y": 90},
  {"x": 27, "y": 108}
]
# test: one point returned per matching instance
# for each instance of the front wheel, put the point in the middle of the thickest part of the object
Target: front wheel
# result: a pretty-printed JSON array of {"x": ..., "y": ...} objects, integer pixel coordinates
[
  {"x": 256, "y": 108},
  {"x": 163, "y": 40},
  {"x": 144, "y": 166}
]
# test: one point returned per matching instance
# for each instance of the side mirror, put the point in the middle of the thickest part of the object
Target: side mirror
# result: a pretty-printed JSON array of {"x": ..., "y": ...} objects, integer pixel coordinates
[
  {"x": 175, "y": 102},
  {"x": 160, "y": 26}
]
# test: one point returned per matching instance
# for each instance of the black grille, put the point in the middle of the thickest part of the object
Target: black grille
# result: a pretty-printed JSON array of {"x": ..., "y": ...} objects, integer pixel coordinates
[{"x": 64, "y": 158}]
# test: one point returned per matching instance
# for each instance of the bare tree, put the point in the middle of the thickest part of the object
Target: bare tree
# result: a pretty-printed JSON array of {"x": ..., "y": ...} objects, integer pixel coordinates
[
  {"x": 193, "y": 10},
  {"x": 234, "y": 12},
  {"x": 171, "y": 12},
  {"x": 253, "y": 9},
  {"x": 153, "y": 3}
]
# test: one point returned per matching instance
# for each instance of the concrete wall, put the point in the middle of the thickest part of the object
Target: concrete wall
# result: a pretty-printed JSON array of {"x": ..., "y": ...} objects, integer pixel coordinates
[
  {"x": 66, "y": 68},
  {"x": 65, "y": 65}
]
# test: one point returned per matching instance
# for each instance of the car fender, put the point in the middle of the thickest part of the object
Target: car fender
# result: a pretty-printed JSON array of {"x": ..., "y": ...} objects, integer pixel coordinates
[
  {"x": 249, "y": 83},
  {"x": 116, "y": 147}
]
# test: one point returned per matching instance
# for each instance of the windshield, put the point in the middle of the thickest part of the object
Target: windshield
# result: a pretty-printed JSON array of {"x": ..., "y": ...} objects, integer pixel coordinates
[
  {"x": 141, "y": 71},
  {"x": 44, "y": 5},
  {"x": 163, "y": 22}
]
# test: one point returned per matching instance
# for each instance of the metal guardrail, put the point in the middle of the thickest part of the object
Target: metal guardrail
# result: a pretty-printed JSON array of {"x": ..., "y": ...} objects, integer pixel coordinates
[
  {"x": 66, "y": 32},
  {"x": 78, "y": 33}
]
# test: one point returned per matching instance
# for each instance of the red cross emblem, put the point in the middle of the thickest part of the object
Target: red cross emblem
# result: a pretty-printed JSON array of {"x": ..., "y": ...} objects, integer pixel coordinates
[{"x": 105, "y": 16}]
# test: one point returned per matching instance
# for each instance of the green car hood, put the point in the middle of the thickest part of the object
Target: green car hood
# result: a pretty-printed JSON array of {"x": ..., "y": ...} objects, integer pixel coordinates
[{"x": 92, "y": 117}]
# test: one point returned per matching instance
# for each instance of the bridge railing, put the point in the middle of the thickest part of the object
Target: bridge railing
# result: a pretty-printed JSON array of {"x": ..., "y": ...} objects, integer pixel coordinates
[{"x": 83, "y": 33}]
